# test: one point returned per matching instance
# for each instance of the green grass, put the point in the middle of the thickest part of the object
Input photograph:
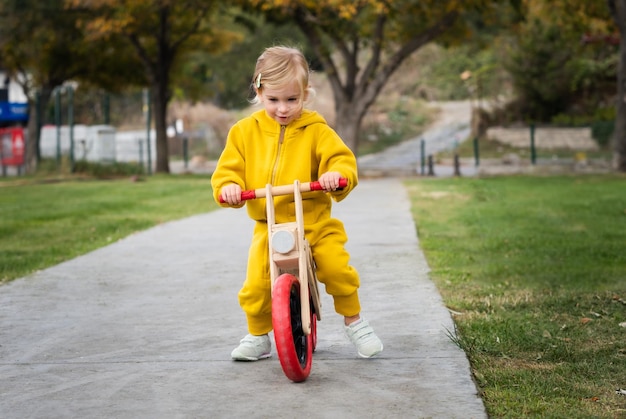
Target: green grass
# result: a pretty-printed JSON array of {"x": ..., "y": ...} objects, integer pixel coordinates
[
  {"x": 534, "y": 269},
  {"x": 43, "y": 223}
]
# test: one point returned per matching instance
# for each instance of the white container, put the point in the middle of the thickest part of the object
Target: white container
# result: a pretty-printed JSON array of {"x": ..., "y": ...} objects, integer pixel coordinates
[
  {"x": 98, "y": 145},
  {"x": 48, "y": 142},
  {"x": 132, "y": 147},
  {"x": 95, "y": 143}
]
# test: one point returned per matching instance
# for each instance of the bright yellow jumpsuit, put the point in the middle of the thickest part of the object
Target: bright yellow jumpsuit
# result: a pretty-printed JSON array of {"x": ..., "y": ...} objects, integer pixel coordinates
[{"x": 259, "y": 151}]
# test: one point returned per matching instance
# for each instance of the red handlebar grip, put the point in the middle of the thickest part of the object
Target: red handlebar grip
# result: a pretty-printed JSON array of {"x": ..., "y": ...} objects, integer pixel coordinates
[
  {"x": 244, "y": 196},
  {"x": 248, "y": 195},
  {"x": 315, "y": 185}
]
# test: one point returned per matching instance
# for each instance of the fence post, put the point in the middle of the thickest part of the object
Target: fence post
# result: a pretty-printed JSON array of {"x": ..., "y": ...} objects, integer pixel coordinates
[
  {"x": 422, "y": 156},
  {"x": 38, "y": 112},
  {"x": 457, "y": 165},
  {"x": 140, "y": 143},
  {"x": 476, "y": 152},
  {"x": 70, "y": 123},
  {"x": 106, "y": 107},
  {"x": 431, "y": 166},
  {"x": 533, "y": 151},
  {"x": 147, "y": 110},
  {"x": 57, "y": 121},
  {"x": 185, "y": 151}
]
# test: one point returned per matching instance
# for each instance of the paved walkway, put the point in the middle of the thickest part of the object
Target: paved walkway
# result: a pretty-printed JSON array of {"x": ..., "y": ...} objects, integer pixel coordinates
[
  {"x": 143, "y": 328},
  {"x": 408, "y": 158}
]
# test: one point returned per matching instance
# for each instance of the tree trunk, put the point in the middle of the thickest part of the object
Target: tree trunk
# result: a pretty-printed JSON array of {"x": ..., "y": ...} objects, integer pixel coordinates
[
  {"x": 348, "y": 119},
  {"x": 32, "y": 156},
  {"x": 159, "y": 104},
  {"x": 348, "y": 125},
  {"x": 32, "y": 139},
  {"x": 618, "y": 10}
]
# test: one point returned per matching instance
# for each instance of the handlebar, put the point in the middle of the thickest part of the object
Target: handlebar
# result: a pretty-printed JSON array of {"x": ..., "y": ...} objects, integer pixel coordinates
[{"x": 286, "y": 190}]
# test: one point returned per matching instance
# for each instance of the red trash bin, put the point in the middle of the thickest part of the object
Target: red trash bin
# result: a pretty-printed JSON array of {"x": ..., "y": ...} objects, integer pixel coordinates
[{"x": 13, "y": 145}]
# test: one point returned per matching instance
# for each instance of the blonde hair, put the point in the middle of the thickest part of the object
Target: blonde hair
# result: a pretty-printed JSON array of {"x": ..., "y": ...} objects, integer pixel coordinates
[{"x": 279, "y": 66}]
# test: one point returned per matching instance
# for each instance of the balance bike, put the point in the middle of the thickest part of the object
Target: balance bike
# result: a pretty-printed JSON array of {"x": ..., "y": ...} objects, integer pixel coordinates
[{"x": 295, "y": 296}]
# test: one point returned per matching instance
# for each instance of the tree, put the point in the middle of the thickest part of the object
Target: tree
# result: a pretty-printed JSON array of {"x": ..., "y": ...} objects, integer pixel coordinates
[
  {"x": 43, "y": 47},
  {"x": 160, "y": 32},
  {"x": 539, "y": 61},
  {"x": 618, "y": 12},
  {"x": 37, "y": 43},
  {"x": 342, "y": 33},
  {"x": 583, "y": 24}
]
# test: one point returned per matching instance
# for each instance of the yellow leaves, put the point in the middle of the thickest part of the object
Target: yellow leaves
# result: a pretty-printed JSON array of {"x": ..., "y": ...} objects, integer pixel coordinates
[
  {"x": 453, "y": 5},
  {"x": 92, "y": 4},
  {"x": 344, "y": 9},
  {"x": 265, "y": 5},
  {"x": 347, "y": 11},
  {"x": 102, "y": 27},
  {"x": 417, "y": 11},
  {"x": 568, "y": 12}
]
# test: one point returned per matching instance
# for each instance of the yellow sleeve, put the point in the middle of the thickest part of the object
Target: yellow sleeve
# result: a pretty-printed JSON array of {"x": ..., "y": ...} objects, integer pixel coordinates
[
  {"x": 336, "y": 156},
  {"x": 230, "y": 166}
]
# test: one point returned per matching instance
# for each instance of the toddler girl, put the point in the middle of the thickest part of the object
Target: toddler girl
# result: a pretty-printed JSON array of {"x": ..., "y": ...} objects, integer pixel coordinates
[{"x": 277, "y": 145}]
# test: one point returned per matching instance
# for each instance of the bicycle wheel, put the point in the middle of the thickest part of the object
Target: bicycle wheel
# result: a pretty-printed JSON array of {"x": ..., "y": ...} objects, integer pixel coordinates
[{"x": 294, "y": 348}]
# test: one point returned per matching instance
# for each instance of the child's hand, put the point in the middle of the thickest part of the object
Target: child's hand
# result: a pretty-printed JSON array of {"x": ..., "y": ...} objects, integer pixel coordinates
[
  {"x": 231, "y": 194},
  {"x": 330, "y": 180}
]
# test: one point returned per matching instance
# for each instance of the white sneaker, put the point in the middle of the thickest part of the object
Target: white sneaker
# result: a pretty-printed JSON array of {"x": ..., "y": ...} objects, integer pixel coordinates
[
  {"x": 252, "y": 348},
  {"x": 363, "y": 337}
]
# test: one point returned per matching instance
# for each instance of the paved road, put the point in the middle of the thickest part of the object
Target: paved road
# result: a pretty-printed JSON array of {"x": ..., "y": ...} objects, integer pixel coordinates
[
  {"x": 143, "y": 328},
  {"x": 405, "y": 159}
]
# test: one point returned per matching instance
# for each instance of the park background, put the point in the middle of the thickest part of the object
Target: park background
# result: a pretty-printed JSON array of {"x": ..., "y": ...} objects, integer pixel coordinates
[
  {"x": 183, "y": 69},
  {"x": 532, "y": 267}
]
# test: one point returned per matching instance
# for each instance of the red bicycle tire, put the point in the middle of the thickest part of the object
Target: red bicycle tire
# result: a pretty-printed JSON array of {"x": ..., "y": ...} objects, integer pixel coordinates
[{"x": 294, "y": 348}]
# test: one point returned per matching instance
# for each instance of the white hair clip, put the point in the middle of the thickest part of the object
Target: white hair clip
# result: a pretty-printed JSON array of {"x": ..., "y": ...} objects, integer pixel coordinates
[{"x": 257, "y": 82}]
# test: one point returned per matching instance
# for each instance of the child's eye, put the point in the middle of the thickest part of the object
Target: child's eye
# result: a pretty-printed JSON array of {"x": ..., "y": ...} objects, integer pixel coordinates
[{"x": 293, "y": 99}]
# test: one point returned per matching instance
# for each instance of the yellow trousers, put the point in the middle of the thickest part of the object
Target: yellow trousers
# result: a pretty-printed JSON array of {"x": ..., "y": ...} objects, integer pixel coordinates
[{"x": 327, "y": 239}]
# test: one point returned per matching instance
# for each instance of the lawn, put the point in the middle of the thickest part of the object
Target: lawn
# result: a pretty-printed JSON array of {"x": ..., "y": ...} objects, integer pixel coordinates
[
  {"x": 534, "y": 271},
  {"x": 43, "y": 223}
]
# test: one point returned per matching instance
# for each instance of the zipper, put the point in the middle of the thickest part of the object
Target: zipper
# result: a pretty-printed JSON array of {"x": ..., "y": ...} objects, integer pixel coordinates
[{"x": 281, "y": 138}]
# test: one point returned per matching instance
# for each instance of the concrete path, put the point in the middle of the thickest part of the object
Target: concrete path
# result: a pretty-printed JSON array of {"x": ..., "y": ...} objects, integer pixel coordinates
[{"x": 143, "y": 328}]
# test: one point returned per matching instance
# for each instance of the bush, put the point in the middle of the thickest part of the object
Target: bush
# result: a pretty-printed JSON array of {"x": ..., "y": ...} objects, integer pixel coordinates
[
  {"x": 108, "y": 169},
  {"x": 602, "y": 131}
]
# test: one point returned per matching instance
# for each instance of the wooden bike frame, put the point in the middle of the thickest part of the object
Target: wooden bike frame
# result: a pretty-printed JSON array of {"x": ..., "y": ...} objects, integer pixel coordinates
[
  {"x": 293, "y": 255},
  {"x": 294, "y": 252}
]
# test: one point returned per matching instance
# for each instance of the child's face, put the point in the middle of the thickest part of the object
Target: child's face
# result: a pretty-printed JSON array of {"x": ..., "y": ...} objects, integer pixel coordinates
[{"x": 282, "y": 104}]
